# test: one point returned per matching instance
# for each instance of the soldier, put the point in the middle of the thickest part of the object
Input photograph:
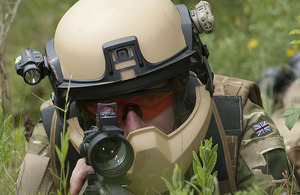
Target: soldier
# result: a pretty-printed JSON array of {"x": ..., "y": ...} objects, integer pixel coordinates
[
  {"x": 279, "y": 86},
  {"x": 279, "y": 83},
  {"x": 148, "y": 58},
  {"x": 285, "y": 86}
]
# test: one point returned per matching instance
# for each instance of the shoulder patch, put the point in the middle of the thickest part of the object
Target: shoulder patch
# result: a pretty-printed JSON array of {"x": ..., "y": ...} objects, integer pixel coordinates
[{"x": 261, "y": 128}]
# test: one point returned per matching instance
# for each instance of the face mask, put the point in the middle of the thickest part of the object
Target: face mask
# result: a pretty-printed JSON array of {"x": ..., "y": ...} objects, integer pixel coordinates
[{"x": 156, "y": 153}]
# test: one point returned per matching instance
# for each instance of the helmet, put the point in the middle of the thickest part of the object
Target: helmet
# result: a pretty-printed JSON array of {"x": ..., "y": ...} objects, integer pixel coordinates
[
  {"x": 101, "y": 49},
  {"x": 111, "y": 48}
]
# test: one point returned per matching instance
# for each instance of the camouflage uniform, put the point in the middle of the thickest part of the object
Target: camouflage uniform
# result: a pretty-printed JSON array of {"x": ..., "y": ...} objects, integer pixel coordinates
[
  {"x": 262, "y": 158},
  {"x": 261, "y": 155},
  {"x": 35, "y": 175}
]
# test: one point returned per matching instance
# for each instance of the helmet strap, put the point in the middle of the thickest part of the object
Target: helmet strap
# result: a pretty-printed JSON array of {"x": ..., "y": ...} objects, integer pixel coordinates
[{"x": 181, "y": 112}]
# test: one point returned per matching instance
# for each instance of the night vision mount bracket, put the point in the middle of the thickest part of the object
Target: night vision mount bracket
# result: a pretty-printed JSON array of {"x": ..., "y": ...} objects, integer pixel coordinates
[{"x": 203, "y": 18}]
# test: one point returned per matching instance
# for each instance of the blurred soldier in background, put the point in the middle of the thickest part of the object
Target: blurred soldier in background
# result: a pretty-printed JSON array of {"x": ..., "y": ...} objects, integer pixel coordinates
[
  {"x": 279, "y": 83},
  {"x": 282, "y": 86}
]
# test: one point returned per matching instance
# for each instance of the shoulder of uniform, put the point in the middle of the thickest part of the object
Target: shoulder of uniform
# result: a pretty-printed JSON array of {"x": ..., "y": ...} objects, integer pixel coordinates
[
  {"x": 39, "y": 141},
  {"x": 230, "y": 86}
]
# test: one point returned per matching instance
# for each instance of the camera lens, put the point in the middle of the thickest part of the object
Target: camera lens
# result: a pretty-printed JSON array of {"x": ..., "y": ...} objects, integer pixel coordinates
[
  {"x": 110, "y": 156},
  {"x": 109, "y": 153}
]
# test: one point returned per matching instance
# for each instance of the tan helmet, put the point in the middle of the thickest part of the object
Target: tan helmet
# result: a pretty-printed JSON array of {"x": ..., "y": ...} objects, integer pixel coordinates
[
  {"x": 109, "y": 48},
  {"x": 105, "y": 48},
  {"x": 90, "y": 24}
]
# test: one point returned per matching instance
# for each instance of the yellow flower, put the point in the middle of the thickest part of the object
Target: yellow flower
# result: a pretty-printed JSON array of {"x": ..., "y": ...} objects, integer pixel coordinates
[
  {"x": 252, "y": 43},
  {"x": 289, "y": 52}
]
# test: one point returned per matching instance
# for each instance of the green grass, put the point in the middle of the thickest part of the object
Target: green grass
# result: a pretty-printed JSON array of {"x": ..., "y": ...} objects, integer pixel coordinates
[
  {"x": 204, "y": 182},
  {"x": 266, "y": 22},
  {"x": 12, "y": 147}
]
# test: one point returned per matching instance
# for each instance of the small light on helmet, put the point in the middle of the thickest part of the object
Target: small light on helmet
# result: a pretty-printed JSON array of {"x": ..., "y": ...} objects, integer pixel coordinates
[
  {"x": 32, "y": 66},
  {"x": 32, "y": 74}
]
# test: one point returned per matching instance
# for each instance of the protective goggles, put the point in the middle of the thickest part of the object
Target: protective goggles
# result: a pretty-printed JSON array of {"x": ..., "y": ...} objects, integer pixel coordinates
[{"x": 147, "y": 103}]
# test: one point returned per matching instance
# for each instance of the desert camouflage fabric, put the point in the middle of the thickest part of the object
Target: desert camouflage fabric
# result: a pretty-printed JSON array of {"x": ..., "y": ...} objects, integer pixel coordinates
[
  {"x": 35, "y": 176},
  {"x": 261, "y": 155},
  {"x": 263, "y": 158}
]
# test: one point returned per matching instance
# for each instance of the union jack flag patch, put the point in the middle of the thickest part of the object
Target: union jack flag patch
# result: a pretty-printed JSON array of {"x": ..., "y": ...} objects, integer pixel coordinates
[{"x": 262, "y": 128}]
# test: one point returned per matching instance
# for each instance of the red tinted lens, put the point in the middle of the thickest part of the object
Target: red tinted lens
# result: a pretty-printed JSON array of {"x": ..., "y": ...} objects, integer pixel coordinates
[{"x": 151, "y": 104}]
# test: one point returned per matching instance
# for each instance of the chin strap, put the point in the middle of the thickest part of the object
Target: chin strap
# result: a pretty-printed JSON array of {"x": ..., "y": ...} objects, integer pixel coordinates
[{"x": 209, "y": 84}]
